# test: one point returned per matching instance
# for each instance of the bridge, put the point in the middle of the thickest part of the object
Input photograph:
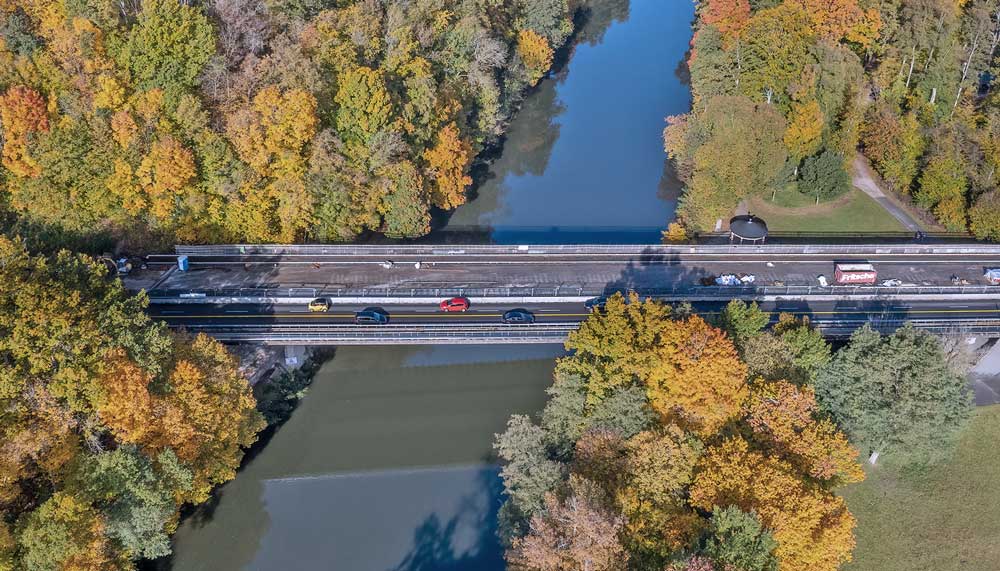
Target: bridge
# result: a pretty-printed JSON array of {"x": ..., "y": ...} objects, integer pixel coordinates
[{"x": 260, "y": 293}]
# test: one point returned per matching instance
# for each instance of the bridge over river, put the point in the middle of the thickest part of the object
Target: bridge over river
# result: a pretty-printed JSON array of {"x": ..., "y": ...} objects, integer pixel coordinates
[{"x": 260, "y": 293}]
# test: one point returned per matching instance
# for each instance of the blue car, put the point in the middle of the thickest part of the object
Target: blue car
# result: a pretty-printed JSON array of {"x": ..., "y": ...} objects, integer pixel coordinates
[
  {"x": 371, "y": 316},
  {"x": 518, "y": 316}
]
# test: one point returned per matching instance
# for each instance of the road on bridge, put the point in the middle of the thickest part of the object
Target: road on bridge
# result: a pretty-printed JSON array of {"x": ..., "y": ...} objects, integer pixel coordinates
[{"x": 598, "y": 271}]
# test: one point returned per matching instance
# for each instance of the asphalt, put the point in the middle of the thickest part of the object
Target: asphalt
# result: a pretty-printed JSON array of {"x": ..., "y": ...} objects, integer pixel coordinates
[
  {"x": 199, "y": 315},
  {"x": 606, "y": 271}
]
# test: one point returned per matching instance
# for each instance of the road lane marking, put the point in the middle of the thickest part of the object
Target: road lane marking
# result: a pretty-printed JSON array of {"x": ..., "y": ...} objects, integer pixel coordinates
[{"x": 872, "y": 312}]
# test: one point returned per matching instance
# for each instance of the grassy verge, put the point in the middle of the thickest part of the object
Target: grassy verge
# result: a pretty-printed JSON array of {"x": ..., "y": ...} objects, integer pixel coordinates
[
  {"x": 943, "y": 519},
  {"x": 793, "y": 211}
]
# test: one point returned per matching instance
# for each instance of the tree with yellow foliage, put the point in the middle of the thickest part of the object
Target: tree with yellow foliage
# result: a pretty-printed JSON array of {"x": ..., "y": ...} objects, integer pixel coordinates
[
  {"x": 447, "y": 165},
  {"x": 165, "y": 175},
  {"x": 536, "y": 54},
  {"x": 812, "y": 526},
  {"x": 110, "y": 423},
  {"x": 740, "y": 472},
  {"x": 619, "y": 346},
  {"x": 702, "y": 382},
  {"x": 272, "y": 134},
  {"x": 805, "y": 129}
]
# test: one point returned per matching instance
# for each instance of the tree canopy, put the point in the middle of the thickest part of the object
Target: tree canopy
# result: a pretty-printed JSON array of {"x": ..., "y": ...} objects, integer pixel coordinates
[
  {"x": 246, "y": 120},
  {"x": 908, "y": 83},
  {"x": 111, "y": 423},
  {"x": 895, "y": 395},
  {"x": 705, "y": 468}
]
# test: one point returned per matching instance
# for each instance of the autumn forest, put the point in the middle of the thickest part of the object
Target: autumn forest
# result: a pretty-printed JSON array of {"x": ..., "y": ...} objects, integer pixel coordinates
[
  {"x": 789, "y": 91},
  {"x": 234, "y": 120}
]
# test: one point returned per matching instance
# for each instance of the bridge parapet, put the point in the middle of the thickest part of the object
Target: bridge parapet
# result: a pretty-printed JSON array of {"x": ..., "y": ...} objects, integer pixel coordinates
[{"x": 306, "y": 250}]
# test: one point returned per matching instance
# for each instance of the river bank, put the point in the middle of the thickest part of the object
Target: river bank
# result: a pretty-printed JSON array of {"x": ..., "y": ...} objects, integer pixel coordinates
[{"x": 387, "y": 463}]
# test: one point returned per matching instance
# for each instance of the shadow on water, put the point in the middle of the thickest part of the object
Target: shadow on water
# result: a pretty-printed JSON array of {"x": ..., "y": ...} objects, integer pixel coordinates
[{"x": 435, "y": 541}]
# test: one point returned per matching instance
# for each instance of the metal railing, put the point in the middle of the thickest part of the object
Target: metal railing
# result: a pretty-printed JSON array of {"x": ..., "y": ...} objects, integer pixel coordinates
[
  {"x": 561, "y": 290},
  {"x": 345, "y": 334},
  {"x": 244, "y": 250}
]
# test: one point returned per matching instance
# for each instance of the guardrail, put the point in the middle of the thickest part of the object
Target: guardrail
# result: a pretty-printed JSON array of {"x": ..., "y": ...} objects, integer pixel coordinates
[
  {"x": 243, "y": 250},
  {"x": 345, "y": 334},
  {"x": 559, "y": 291},
  {"x": 341, "y": 334}
]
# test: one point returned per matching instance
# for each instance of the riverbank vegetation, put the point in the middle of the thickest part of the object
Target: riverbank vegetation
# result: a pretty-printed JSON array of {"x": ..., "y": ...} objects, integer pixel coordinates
[
  {"x": 259, "y": 121},
  {"x": 784, "y": 86},
  {"x": 110, "y": 423},
  {"x": 672, "y": 443}
]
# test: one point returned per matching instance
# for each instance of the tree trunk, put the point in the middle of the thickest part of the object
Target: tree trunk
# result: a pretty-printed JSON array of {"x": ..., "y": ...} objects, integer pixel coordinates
[{"x": 913, "y": 57}]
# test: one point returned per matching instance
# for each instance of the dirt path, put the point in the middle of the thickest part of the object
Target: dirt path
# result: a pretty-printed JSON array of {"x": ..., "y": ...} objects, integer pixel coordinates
[{"x": 864, "y": 181}]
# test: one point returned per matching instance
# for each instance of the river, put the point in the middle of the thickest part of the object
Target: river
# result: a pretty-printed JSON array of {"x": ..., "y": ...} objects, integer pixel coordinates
[
  {"x": 583, "y": 159},
  {"x": 386, "y": 464}
]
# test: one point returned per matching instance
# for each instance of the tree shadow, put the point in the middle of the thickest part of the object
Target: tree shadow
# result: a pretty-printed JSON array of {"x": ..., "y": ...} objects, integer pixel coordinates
[
  {"x": 435, "y": 542},
  {"x": 655, "y": 273}
]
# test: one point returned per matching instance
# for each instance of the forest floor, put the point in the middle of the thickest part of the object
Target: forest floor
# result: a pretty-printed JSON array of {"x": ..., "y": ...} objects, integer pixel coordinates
[
  {"x": 792, "y": 211},
  {"x": 944, "y": 518}
]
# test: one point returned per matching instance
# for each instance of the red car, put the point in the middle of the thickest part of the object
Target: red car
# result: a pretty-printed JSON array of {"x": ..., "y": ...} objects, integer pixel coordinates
[{"x": 455, "y": 304}]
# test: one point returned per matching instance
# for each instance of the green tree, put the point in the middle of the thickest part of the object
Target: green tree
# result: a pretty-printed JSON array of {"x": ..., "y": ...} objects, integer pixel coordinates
[
  {"x": 139, "y": 495},
  {"x": 742, "y": 321},
  {"x": 738, "y": 539},
  {"x": 737, "y": 150},
  {"x": 407, "y": 210},
  {"x": 895, "y": 395},
  {"x": 984, "y": 217},
  {"x": 167, "y": 47},
  {"x": 364, "y": 105},
  {"x": 824, "y": 176},
  {"x": 528, "y": 474},
  {"x": 943, "y": 185},
  {"x": 810, "y": 351}
]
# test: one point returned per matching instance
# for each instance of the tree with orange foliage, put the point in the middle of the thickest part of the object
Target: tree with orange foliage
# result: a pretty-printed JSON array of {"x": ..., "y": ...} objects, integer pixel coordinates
[
  {"x": 22, "y": 113},
  {"x": 536, "y": 54},
  {"x": 728, "y": 16},
  {"x": 447, "y": 164},
  {"x": 784, "y": 417},
  {"x": 812, "y": 526},
  {"x": 842, "y": 19},
  {"x": 206, "y": 416}
]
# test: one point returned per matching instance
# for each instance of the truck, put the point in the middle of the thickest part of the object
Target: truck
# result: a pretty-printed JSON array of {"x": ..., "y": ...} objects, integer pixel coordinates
[{"x": 855, "y": 274}]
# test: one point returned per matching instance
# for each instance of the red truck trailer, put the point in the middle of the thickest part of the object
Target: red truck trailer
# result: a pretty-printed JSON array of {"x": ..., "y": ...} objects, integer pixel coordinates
[{"x": 855, "y": 274}]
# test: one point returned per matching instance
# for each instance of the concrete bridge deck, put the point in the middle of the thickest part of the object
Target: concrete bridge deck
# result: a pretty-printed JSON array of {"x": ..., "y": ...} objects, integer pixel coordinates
[{"x": 259, "y": 292}]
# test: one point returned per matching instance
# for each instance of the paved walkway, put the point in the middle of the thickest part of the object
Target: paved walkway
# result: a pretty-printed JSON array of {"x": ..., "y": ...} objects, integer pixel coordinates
[
  {"x": 864, "y": 181},
  {"x": 985, "y": 378}
]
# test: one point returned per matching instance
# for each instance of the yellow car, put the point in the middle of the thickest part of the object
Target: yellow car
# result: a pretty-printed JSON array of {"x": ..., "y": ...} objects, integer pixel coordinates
[{"x": 320, "y": 305}]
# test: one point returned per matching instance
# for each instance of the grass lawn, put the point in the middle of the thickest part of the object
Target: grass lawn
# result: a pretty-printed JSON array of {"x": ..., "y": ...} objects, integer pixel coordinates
[
  {"x": 793, "y": 211},
  {"x": 945, "y": 519}
]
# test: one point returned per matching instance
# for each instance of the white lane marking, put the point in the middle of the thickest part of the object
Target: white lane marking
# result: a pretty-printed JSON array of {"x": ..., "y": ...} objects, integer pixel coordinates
[
  {"x": 431, "y": 264},
  {"x": 237, "y": 311}
]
